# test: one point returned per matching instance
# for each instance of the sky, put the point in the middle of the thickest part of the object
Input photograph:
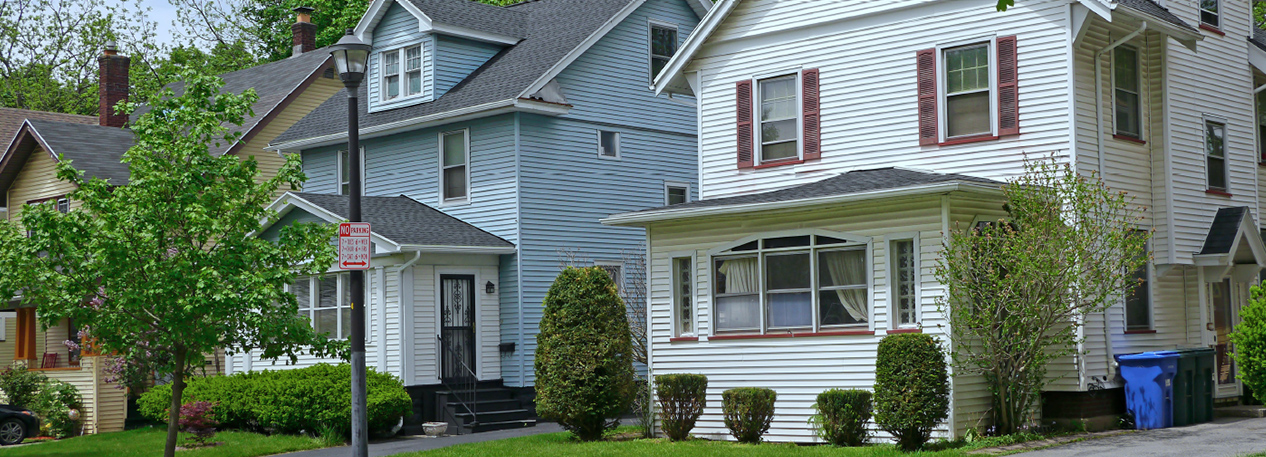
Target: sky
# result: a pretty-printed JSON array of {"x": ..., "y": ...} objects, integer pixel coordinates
[{"x": 163, "y": 13}]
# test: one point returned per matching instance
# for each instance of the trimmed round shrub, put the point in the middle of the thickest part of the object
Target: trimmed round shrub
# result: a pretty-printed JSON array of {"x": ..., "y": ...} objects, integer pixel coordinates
[
  {"x": 289, "y": 401},
  {"x": 748, "y": 412},
  {"x": 682, "y": 398},
  {"x": 584, "y": 354},
  {"x": 911, "y": 388},
  {"x": 841, "y": 416}
]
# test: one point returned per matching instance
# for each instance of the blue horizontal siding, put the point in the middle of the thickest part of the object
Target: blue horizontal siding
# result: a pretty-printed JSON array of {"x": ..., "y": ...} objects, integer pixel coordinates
[
  {"x": 456, "y": 58},
  {"x": 399, "y": 28}
]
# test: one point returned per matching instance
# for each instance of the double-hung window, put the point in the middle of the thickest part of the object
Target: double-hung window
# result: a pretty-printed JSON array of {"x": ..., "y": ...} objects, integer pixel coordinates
[
  {"x": 968, "y": 92},
  {"x": 326, "y": 302},
  {"x": 1125, "y": 84},
  {"x": 662, "y": 46},
  {"x": 615, "y": 270},
  {"x": 789, "y": 283},
  {"x": 1210, "y": 13},
  {"x": 455, "y": 166},
  {"x": 1215, "y": 154},
  {"x": 779, "y": 119},
  {"x": 905, "y": 277},
  {"x": 345, "y": 172},
  {"x": 1138, "y": 304},
  {"x": 401, "y": 72},
  {"x": 683, "y": 296}
]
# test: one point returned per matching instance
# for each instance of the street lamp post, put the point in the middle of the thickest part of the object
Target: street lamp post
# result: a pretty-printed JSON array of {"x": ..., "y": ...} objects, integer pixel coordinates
[{"x": 351, "y": 56}]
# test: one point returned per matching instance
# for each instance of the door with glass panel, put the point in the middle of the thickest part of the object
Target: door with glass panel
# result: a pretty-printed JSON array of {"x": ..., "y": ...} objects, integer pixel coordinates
[
  {"x": 457, "y": 327},
  {"x": 1222, "y": 298}
]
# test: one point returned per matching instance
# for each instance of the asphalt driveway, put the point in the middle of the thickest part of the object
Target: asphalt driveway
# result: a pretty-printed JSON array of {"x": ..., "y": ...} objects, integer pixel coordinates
[{"x": 1223, "y": 437}]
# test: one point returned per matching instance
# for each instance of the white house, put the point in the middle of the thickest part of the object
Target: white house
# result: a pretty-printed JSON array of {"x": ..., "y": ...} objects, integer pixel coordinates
[{"x": 840, "y": 141}]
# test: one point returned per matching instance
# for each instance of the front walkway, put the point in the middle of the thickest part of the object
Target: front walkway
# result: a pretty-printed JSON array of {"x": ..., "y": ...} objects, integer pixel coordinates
[
  {"x": 1223, "y": 437},
  {"x": 414, "y": 444}
]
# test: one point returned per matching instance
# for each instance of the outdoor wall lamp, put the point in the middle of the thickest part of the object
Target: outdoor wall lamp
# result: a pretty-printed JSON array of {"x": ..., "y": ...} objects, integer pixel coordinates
[{"x": 490, "y": 288}]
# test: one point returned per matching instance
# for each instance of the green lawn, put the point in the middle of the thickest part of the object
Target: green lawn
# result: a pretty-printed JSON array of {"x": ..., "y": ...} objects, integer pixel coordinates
[
  {"x": 562, "y": 445},
  {"x": 148, "y": 442}
]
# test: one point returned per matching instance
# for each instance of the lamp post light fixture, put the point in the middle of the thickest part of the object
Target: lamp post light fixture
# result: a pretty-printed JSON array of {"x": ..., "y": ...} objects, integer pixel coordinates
[{"x": 351, "y": 57}]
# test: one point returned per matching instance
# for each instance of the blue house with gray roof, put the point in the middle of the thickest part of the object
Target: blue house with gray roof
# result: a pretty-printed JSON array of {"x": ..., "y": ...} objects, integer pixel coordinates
[{"x": 515, "y": 129}]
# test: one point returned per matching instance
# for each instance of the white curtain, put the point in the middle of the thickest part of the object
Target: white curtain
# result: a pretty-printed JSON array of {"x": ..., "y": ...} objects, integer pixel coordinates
[
  {"x": 740, "y": 275},
  {"x": 739, "y": 312},
  {"x": 849, "y": 268}
]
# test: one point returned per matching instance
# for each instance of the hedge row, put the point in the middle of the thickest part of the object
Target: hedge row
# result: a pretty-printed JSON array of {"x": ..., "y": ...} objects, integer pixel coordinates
[{"x": 288, "y": 401}]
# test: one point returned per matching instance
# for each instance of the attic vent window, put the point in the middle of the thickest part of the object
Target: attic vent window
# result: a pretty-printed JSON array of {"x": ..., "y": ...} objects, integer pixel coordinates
[{"x": 401, "y": 72}]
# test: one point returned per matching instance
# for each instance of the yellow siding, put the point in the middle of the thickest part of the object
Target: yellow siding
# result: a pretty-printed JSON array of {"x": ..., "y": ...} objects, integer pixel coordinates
[
  {"x": 269, "y": 162},
  {"x": 37, "y": 180},
  {"x": 105, "y": 404},
  {"x": 10, "y": 342}
]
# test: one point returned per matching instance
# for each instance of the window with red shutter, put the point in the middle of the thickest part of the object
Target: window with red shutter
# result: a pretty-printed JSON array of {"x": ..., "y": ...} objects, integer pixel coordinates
[
  {"x": 812, "y": 114},
  {"x": 746, "y": 137},
  {"x": 1008, "y": 90},
  {"x": 928, "y": 123}
]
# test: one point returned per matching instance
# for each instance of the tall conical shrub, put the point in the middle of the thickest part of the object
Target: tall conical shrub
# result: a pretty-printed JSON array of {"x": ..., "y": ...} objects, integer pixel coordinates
[{"x": 584, "y": 354}]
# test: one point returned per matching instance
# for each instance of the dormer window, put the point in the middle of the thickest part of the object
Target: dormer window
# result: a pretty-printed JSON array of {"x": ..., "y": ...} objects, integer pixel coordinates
[{"x": 401, "y": 72}]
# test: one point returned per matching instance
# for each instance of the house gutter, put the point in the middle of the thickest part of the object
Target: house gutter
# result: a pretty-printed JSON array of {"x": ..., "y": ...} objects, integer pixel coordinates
[{"x": 1109, "y": 359}]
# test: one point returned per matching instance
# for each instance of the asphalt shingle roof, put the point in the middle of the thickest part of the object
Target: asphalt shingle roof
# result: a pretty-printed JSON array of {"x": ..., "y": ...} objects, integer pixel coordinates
[
  {"x": 407, "y": 221},
  {"x": 552, "y": 29},
  {"x": 95, "y": 150},
  {"x": 853, "y": 182},
  {"x": 1151, "y": 8},
  {"x": 475, "y": 16},
  {"x": 11, "y": 120},
  {"x": 1222, "y": 233},
  {"x": 272, "y": 82},
  {"x": 1258, "y": 38}
]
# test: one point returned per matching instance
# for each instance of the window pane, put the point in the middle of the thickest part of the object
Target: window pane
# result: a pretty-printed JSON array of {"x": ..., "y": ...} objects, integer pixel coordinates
[
  {"x": 1214, "y": 135},
  {"x": 663, "y": 41},
  {"x": 345, "y": 322},
  {"x": 828, "y": 240},
  {"x": 1217, "y": 173},
  {"x": 748, "y": 246},
  {"x": 657, "y": 65},
  {"x": 967, "y": 68},
  {"x": 415, "y": 82},
  {"x": 778, "y": 131},
  {"x": 328, "y": 292},
  {"x": 677, "y": 195},
  {"x": 1125, "y": 67},
  {"x": 842, "y": 307},
  {"x": 1128, "y": 113},
  {"x": 842, "y": 268},
  {"x": 778, "y": 98},
  {"x": 392, "y": 84},
  {"x": 967, "y": 114},
  {"x": 778, "y": 151},
  {"x": 738, "y": 312},
  {"x": 413, "y": 58},
  {"x": 736, "y": 276},
  {"x": 787, "y": 271},
  {"x": 302, "y": 288},
  {"x": 778, "y": 109},
  {"x": 455, "y": 182},
  {"x": 790, "y": 310},
  {"x": 1137, "y": 304},
  {"x": 390, "y": 63},
  {"x": 454, "y": 148},
  {"x": 682, "y": 289},
  {"x": 904, "y": 282},
  {"x": 787, "y": 242},
  {"x": 609, "y": 144},
  {"x": 327, "y": 322}
]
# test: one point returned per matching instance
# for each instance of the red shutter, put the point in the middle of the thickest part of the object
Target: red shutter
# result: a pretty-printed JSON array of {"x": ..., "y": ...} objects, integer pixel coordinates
[
  {"x": 929, "y": 134},
  {"x": 746, "y": 136},
  {"x": 1008, "y": 92},
  {"x": 812, "y": 115}
]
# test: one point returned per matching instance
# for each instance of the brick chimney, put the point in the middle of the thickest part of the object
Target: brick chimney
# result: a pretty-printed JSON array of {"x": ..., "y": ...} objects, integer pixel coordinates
[
  {"x": 303, "y": 31},
  {"x": 113, "y": 86}
]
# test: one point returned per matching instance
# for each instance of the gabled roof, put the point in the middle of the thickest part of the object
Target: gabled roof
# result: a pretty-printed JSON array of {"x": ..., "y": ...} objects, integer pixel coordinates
[
  {"x": 857, "y": 184},
  {"x": 1223, "y": 231},
  {"x": 402, "y": 221},
  {"x": 1231, "y": 227},
  {"x": 555, "y": 33},
  {"x": 11, "y": 120},
  {"x": 276, "y": 84},
  {"x": 466, "y": 17},
  {"x": 95, "y": 150},
  {"x": 1151, "y": 8}
]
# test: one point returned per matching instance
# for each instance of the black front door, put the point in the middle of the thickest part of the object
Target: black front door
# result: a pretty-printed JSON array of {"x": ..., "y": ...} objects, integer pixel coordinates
[{"x": 457, "y": 327}]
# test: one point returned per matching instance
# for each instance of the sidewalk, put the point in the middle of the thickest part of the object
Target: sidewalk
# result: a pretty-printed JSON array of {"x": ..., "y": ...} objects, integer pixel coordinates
[
  {"x": 415, "y": 444},
  {"x": 1223, "y": 437}
]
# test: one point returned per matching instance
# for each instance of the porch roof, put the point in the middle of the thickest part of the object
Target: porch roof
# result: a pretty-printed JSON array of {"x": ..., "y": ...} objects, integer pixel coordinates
[
  {"x": 1232, "y": 226},
  {"x": 853, "y": 185}
]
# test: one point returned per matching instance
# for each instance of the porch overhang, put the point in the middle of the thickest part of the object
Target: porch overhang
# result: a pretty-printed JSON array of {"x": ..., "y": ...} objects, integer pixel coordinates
[{"x": 1233, "y": 246}]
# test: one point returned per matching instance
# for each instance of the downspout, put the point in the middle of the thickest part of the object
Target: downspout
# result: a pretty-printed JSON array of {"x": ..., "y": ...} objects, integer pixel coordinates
[
  {"x": 1109, "y": 359},
  {"x": 407, "y": 365}
]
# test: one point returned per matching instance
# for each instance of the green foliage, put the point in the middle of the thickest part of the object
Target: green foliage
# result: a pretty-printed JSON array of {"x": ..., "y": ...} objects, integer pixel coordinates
[
  {"x": 1249, "y": 340},
  {"x": 682, "y": 398},
  {"x": 911, "y": 388},
  {"x": 1020, "y": 287},
  {"x": 748, "y": 412},
  {"x": 644, "y": 407},
  {"x": 841, "y": 416},
  {"x": 20, "y": 385},
  {"x": 584, "y": 360},
  {"x": 315, "y": 400}
]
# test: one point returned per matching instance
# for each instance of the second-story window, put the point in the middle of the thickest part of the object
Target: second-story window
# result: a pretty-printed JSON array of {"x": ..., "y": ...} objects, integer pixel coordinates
[
  {"x": 455, "y": 160},
  {"x": 390, "y": 75},
  {"x": 401, "y": 72},
  {"x": 1125, "y": 83},
  {"x": 608, "y": 144},
  {"x": 1215, "y": 151},
  {"x": 1210, "y": 13},
  {"x": 967, "y": 91},
  {"x": 779, "y": 115},
  {"x": 1138, "y": 304},
  {"x": 63, "y": 205},
  {"x": 663, "y": 46},
  {"x": 676, "y": 193}
]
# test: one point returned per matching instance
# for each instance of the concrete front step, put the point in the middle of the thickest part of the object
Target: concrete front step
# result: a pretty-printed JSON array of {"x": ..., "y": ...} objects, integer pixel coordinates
[{"x": 1254, "y": 411}]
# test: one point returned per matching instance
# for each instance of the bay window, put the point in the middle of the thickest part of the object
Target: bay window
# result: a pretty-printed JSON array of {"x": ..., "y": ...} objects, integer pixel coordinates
[{"x": 804, "y": 282}]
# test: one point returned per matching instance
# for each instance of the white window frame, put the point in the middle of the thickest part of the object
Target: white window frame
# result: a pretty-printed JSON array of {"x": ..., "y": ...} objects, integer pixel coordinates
[
  {"x": 401, "y": 54},
  {"x": 1226, "y": 163},
  {"x": 1138, "y": 74},
  {"x": 650, "y": 43},
  {"x": 757, "y": 123},
  {"x": 63, "y": 201},
  {"x": 618, "y": 140},
  {"x": 314, "y": 296},
  {"x": 673, "y": 257},
  {"x": 893, "y": 305},
  {"x": 676, "y": 184},
  {"x": 942, "y": 86},
  {"x": 339, "y": 173},
  {"x": 1151, "y": 304},
  {"x": 1218, "y": 14},
  {"x": 440, "y": 159},
  {"x": 854, "y": 242},
  {"x": 619, "y": 282}
]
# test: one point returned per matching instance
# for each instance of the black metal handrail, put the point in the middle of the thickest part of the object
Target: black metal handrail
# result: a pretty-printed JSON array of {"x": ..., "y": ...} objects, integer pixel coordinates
[{"x": 463, "y": 387}]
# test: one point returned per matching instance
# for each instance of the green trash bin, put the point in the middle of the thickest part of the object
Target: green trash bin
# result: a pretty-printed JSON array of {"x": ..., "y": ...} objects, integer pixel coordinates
[{"x": 1193, "y": 387}]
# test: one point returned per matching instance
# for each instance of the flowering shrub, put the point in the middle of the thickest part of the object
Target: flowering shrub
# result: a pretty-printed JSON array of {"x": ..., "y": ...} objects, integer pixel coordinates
[
  {"x": 197, "y": 418},
  {"x": 57, "y": 404}
]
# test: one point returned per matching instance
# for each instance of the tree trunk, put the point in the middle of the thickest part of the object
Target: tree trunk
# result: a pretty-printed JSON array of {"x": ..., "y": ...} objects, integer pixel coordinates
[{"x": 177, "y": 397}]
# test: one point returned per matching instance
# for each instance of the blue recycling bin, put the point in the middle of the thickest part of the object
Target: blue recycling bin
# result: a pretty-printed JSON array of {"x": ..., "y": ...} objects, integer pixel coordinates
[{"x": 1149, "y": 387}]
